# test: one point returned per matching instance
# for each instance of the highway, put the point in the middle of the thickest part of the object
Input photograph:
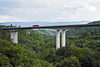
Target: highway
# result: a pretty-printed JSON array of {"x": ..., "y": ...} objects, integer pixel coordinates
[{"x": 56, "y": 27}]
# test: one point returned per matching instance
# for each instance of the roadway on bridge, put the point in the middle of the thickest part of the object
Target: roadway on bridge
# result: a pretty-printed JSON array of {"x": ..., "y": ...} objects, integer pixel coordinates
[{"x": 56, "y": 27}]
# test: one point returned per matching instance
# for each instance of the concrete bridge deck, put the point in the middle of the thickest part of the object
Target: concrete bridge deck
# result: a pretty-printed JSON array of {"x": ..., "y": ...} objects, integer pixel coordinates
[{"x": 57, "y": 27}]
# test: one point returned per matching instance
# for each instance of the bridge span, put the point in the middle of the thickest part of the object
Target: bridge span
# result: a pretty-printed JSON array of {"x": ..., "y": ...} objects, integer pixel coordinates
[{"x": 14, "y": 32}]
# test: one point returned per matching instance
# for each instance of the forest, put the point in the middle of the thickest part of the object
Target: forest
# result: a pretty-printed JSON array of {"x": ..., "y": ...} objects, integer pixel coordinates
[{"x": 37, "y": 49}]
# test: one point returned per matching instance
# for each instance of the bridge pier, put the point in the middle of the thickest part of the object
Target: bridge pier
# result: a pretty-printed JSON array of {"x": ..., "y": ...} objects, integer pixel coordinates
[
  {"x": 11, "y": 36},
  {"x": 14, "y": 36},
  {"x": 63, "y": 38},
  {"x": 58, "y": 39}
]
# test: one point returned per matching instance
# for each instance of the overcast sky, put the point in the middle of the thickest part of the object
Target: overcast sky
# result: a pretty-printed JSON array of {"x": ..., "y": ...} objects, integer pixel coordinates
[{"x": 49, "y": 10}]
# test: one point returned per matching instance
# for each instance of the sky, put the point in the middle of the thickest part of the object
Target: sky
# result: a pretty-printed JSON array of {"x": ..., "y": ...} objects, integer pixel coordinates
[{"x": 49, "y": 10}]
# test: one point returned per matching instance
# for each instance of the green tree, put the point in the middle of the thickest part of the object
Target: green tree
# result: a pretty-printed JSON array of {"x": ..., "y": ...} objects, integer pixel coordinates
[{"x": 70, "y": 62}]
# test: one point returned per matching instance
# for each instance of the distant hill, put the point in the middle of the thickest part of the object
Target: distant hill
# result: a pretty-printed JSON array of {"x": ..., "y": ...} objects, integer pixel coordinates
[
  {"x": 94, "y": 22},
  {"x": 79, "y": 31}
]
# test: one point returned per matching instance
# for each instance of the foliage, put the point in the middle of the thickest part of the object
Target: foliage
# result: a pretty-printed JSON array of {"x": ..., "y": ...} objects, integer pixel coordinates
[
  {"x": 70, "y": 62},
  {"x": 37, "y": 49},
  {"x": 16, "y": 56}
]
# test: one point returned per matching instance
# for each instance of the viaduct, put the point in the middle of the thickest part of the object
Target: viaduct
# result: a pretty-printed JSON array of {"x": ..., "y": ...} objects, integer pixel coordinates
[{"x": 14, "y": 32}]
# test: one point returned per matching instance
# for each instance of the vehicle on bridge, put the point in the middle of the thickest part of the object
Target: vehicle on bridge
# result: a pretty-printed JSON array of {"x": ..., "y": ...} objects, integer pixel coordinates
[{"x": 35, "y": 25}]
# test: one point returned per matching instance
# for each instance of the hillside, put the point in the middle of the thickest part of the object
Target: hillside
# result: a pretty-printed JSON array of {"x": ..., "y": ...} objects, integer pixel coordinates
[
  {"x": 47, "y": 33},
  {"x": 23, "y": 54},
  {"x": 94, "y": 22},
  {"x": 37, "y": 49},
  {"x": 36, "y": 38},
  {"x": 79, "y": 31}
]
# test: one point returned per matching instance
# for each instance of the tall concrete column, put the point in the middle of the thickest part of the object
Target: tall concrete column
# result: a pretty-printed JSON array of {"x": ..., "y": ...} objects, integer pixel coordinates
[
  {"x": 57, "y": 39},
  {"x": 63, "y": 38},
  {"x": 15, "y": 37},
  {"x": 11, "y": 36}
]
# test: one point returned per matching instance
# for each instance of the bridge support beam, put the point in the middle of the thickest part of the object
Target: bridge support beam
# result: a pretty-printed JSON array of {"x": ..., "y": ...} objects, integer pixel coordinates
[
  {"x": 14, "y": 36},
  {"x": 63, "y": 38},
  {"x": 57, "y": 39}
]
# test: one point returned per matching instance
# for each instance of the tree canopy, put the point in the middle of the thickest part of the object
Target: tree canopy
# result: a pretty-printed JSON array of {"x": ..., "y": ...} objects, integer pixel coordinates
[{"x": 37, "y": 49}]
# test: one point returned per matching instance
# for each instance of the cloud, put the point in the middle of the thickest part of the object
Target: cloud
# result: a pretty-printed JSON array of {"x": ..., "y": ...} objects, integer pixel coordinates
[
  {"x": 50, "y": 10},
  {"x": 6, "y": 18}
]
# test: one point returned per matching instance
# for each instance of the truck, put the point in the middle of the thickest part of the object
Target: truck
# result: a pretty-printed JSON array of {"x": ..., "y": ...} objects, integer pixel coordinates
[{"x": 35, "y": 25}]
